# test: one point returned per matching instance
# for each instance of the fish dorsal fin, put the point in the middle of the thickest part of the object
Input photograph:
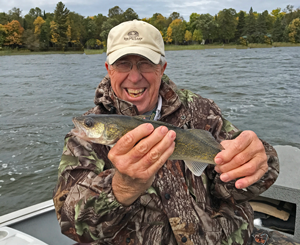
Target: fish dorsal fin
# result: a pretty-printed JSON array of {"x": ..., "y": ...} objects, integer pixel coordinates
[
  {"x": 208, "y": 139},
  {"x": 196, "y": 168}
]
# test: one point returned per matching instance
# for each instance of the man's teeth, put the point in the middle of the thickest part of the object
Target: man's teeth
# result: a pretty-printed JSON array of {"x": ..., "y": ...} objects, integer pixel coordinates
[{"x": 135, "y": 92}]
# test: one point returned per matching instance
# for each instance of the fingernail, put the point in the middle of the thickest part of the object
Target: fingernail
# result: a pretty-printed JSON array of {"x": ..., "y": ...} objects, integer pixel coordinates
[
  {"x": 218, "y": 161},
  {"x": 163, "y": 130},
  {"x": 238, "y": 186},
  {"x": 172, "y": 134},
  {"x": 224, "y": 177},
  {"x": 150, "y": 126},
  {"x": 217, "y": 169}
]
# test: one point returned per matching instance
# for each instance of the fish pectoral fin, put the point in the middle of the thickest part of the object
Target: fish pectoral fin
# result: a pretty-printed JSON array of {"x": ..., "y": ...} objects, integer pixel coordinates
[
  {"x": 206, "y": 137},
  {"x": 196, "y": 168}
]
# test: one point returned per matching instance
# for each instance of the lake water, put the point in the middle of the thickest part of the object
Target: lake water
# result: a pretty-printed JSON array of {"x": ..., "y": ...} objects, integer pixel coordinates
[{"x": 257, "y": 89}]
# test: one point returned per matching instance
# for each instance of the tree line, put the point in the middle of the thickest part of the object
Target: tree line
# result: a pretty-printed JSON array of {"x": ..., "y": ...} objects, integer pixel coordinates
[{"x": 64, "y": 29}]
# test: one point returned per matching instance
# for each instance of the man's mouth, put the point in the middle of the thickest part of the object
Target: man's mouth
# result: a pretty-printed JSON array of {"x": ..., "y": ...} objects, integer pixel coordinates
[{"x": 135, "y": 92}]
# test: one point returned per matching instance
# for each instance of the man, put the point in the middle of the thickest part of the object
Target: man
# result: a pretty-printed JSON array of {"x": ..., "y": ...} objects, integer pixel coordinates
[{"x": 131, "y": 193}]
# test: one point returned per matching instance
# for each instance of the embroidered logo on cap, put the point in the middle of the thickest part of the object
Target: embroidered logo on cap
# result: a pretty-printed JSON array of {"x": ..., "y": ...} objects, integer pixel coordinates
[{"x": 133, "y": 35}]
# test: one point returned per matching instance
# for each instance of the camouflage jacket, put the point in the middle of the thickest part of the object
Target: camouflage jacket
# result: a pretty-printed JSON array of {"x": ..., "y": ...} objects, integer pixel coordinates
[{"x": 179, "y": 208}]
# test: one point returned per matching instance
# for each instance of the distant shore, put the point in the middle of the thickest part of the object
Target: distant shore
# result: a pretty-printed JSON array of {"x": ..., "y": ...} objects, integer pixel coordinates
[{"x": 167, "y": 48}]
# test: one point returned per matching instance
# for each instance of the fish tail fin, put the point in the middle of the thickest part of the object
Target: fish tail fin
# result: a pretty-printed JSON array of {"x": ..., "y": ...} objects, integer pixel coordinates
[{"x": 196, "y": 168}]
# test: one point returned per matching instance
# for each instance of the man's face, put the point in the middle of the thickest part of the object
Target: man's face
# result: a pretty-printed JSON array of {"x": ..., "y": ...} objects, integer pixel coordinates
[{"x": 137, "y": 87}]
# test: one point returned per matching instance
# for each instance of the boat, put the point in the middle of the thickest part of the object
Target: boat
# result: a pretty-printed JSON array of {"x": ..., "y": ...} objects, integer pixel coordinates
[{"x": 38, "y": 225}]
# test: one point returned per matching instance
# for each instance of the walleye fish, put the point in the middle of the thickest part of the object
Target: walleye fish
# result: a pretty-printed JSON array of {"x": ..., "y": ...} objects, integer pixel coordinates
[{"x": 195, "y": 146}]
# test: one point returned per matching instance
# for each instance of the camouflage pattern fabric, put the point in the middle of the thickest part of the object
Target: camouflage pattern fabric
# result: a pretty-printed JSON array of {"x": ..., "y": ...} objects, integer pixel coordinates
[
  {"x": 263, "y": 237},
  {"x": 179, "y": 208}
]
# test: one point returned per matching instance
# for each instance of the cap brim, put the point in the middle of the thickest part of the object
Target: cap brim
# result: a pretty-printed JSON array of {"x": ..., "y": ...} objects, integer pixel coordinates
[{"x": 135, "y": 50}]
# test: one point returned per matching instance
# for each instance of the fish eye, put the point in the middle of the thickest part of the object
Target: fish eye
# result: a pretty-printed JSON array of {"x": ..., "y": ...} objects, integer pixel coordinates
[{"x": 89, "y": 122}]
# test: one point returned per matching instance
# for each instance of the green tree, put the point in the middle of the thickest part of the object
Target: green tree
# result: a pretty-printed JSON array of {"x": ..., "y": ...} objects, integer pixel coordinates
[
  {"x": 207, "y": 25},
  {"x": 4, "y": 18},
  {"x": 261, "y": 28},
  {"x": 60, "y": 27},
  {"x": 30, "y": 40},
  {"x": 130, "y": 14},
  {"x": 240, "y": 28},
  {"x": 278, "y": 31},
  {"x": 159, "y": 21},
  {"x": 116, "y": 13},
  {"x": 106, "y": 27},
  {"x": 31, "y": 16},
  {"x": 193, "y": 18},
  {"x": 78, "y": 31},
  {"x": 175, "y": 16},
  {"x": 45, "y": 35},
  {"x": 93, "y": 44},
  {"x": 269, "y": 21},
  {"x": 15, "y": 14},
  {"x": 227, "y": 24},
  {"x": 3, "y": 33},
  {"x": 90, "y": 28},
  {"x": 99, "y": 20},
  {"x": 251, "y": 26}
]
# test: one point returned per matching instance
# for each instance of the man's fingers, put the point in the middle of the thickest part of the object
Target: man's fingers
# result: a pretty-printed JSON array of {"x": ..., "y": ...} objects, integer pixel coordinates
[
  {"x": 165, "y": 148},
  {"x": 127, "y": 142},
  {"x": 252, "y": 171},
  {"x": 234, "y": 147},
  {"x": 249, "y": 180},
  {"x": 145, "y": 145},
  {"x": 235, "y": 162}
]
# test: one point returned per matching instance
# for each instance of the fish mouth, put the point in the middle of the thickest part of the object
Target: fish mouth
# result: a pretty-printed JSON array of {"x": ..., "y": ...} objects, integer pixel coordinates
[
  {"x": 78, "y": 130},
  {"x": 134, "y": 93}
]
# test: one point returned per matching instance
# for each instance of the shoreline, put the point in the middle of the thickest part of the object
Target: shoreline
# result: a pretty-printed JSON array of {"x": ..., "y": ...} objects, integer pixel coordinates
[{"x": 171, "y": 47}]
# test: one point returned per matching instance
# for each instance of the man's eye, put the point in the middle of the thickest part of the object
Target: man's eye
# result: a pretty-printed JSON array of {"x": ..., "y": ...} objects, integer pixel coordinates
[
  {"x": 123, "y": 64},
  {"x": 146, "y": 64}
]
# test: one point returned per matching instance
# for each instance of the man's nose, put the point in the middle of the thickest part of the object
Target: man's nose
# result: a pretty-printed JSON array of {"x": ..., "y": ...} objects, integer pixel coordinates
[{"x": 134, "y": 74}]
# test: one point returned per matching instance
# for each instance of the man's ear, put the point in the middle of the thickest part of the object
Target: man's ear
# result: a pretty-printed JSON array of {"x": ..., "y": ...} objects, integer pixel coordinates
[
  {"x": 163, "y": 68},
  {"x": 107, "y": 67}
]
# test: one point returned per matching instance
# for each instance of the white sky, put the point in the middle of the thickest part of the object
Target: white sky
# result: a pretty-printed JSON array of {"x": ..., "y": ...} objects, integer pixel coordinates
[{"x": 146, "y": 8}]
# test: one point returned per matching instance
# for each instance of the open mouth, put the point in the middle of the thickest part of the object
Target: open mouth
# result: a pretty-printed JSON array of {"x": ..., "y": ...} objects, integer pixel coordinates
[{"x": 135, "y": 92}]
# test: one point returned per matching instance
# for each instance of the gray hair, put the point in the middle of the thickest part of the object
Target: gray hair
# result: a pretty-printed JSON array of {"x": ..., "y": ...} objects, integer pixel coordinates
[{"x": 162, "y": 60}]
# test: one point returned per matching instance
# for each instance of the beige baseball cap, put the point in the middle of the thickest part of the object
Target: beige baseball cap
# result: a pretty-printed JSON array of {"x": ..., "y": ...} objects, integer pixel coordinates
[{"x": 135, "y": 37}]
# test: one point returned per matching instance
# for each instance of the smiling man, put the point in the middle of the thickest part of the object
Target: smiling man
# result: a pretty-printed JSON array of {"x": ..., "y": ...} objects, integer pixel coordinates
[{"x": 131, "y": 193}]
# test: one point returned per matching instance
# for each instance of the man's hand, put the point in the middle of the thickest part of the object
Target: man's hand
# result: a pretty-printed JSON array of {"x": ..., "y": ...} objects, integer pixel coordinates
[
  {"x": 137, "y": 163},
  {"x": 244, "y": 158}
]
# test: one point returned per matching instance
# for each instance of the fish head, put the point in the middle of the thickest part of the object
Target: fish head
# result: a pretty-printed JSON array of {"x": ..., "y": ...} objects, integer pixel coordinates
[{"x": 91, "y": 129}]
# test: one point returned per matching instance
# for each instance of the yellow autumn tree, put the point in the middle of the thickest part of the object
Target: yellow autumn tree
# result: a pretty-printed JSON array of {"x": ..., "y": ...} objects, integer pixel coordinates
[
  {"x": 168, "y": 37},
  {"x": 294, "y": 31},
  {"x": 188, "y": 36},
  {"x": 69, "y": 33},
  {"x": 178, "y": 30},
  {"x": 53, "y": 31},
  {"x": 14, "y": 33},
  {"x": 146, "y": 20},
  {"x": 162, "y": 34},
  {"x": 197, "y": 36},
  {"x": 38, "y": 22},
  {"x": 275, "y": 12}
]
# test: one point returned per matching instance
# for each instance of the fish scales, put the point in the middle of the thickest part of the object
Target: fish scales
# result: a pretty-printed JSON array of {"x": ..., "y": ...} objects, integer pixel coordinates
[{"x": 191, "y": 145}]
